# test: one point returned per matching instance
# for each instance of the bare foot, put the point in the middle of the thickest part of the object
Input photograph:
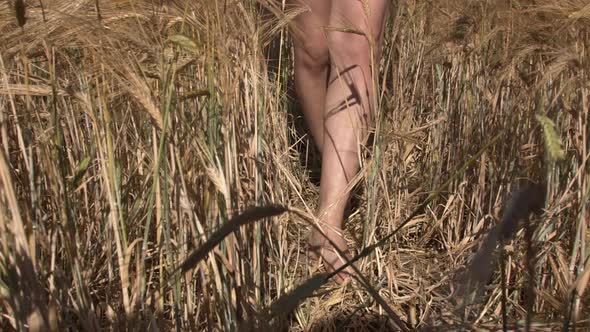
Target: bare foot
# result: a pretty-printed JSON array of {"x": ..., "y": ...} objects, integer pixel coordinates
[{"x": 319, "y": 246}]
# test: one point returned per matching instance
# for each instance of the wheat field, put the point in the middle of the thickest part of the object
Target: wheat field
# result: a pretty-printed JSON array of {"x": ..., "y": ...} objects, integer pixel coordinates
[{"x": 155, "y": 172}]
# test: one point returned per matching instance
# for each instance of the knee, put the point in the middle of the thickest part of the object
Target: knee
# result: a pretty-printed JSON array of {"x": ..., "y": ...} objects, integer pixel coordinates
[
  {"x": 313, "y": 55},
  {"x": 349, "y": 48}
]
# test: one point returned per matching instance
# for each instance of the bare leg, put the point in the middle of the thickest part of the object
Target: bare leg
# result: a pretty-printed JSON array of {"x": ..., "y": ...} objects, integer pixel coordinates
[
  {"x": 312, "y": 63},
  {"x": 348, "y": 113}
]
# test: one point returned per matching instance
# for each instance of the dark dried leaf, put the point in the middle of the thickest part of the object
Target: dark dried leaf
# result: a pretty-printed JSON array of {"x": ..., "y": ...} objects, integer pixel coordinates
[
  {"x": 248, "y": 216},
  {"x": 20, "y": 10},
  {"x": 524, "y": 201}
]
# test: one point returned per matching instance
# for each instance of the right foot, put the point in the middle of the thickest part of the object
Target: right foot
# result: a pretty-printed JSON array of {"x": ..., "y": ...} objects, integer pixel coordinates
[{"x": 319, "y": 246}]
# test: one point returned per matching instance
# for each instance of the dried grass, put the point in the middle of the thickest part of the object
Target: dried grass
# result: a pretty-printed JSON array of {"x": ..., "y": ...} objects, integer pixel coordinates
[{"x": 132, "y": 132}]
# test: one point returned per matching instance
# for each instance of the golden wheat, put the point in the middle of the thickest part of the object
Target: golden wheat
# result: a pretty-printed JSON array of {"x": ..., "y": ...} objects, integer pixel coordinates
[{"x": 137, "y": 135}]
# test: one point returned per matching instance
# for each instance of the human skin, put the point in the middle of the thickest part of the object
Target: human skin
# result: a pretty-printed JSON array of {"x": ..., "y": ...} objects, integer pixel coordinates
[{"x": 334, "y": 83}]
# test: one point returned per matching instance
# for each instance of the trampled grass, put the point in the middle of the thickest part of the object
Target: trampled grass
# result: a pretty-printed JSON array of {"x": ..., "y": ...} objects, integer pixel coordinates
[{"x": 155, "y": 173}]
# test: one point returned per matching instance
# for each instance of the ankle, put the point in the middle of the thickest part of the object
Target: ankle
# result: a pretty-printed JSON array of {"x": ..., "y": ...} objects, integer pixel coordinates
[{"x": 328, "y": 230}]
